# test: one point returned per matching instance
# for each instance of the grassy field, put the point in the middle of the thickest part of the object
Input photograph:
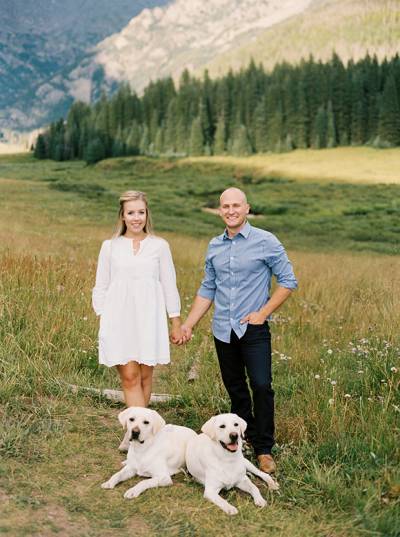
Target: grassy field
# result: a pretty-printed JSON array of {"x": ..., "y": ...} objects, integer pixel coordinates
[
  {"x": 311, "y": 214},
  {"x": 344, "y": 164},
  {"x": 336, "y": 359}
]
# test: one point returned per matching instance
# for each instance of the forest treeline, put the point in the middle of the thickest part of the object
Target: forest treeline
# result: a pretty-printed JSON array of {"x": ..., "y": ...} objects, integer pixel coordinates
[{"x": 308, "y": 105}]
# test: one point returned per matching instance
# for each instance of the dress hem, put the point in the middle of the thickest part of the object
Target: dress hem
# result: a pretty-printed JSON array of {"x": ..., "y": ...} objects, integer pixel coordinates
[{"x": 141, "y": 362}]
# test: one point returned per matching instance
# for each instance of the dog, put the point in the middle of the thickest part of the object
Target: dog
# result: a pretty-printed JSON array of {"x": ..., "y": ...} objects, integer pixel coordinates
[
  {"x": 156, "y": 450},
  {"x": 215, "y": 459}
]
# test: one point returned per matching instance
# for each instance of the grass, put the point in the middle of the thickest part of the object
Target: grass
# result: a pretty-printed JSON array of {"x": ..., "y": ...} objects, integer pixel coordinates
[
  {"x": 336, "y": 369},
  {"x": 309, "y": 215}
]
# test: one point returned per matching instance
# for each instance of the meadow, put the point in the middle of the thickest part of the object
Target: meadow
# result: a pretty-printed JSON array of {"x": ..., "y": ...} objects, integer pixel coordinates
[{"x": 336, "y": 352}]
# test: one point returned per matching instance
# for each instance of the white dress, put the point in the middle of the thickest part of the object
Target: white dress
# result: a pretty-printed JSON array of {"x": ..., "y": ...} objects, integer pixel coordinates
[{"x": 132, "y": 294}]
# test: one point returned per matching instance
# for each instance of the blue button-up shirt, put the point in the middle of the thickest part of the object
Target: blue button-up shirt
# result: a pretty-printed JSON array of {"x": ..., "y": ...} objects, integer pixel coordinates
[{"x": 238, "y": 273}]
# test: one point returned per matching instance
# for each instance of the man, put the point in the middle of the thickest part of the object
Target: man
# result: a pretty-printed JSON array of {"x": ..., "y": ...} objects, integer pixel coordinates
[{"x": 238, "y": 270}]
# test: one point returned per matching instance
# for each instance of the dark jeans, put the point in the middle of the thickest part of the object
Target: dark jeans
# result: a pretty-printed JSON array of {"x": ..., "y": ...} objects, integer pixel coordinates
[{"x": 250, "y": 354}]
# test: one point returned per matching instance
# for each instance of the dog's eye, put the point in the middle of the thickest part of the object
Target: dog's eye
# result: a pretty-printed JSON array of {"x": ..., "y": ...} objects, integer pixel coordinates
[
  {"x": 236, "y": 425},
  {"x": 146, "y": 422},
  {"x": 131, "y": 419},
  {"x": 222, "y": 426}
]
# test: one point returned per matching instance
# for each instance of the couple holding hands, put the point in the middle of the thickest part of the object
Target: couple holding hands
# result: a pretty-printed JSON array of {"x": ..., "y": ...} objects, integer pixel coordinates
[{"x": 136, "y": 286}]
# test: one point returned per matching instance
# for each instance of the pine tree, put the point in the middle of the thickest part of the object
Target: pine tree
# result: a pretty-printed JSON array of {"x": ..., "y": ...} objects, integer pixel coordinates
[
  {"x": 144, "y": 145},
  {"x": 241, "y": 146},
  {"x": 389, "y": 119},
  {"x": 40, "y": 148},
  {"x": 133, "y": 139},
  {"x": 331, "y": 131},
  {"x": 321, "y": 128},
  {"x": 95, "y": 151},
  {"x": 220, "y": 137},
  {"x": 196, "y": 138}
]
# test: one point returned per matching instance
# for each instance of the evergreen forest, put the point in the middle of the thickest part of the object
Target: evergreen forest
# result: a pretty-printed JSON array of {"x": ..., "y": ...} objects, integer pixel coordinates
[{"x": 309, "y": 105}]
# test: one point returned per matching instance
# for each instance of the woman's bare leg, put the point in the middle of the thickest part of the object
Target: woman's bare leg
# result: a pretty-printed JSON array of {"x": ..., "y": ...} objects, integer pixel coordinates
[
  {"x": 131, "y": 380},
  {"x": 147, "y": 381}
]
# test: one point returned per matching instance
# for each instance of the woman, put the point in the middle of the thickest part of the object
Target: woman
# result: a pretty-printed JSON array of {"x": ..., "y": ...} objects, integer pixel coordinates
[{"x": 135, "y": 285}]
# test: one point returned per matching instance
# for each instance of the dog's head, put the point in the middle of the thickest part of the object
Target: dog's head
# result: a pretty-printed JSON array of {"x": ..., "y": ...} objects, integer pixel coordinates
[
  {"x": 141, "y": 423},
  {"x": 227, "y": 430}
]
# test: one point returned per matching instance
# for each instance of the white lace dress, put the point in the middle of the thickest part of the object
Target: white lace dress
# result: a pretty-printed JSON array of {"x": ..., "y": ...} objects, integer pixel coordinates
[{"x": 132, "y": 295}]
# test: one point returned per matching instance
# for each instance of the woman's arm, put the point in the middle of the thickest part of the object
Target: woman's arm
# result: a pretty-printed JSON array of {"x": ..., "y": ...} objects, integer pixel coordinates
[{"x": 103, "y": 277}]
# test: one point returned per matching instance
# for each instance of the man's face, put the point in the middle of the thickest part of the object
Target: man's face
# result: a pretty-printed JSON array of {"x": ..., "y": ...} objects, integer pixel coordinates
[{"x": 233, "y": 209}]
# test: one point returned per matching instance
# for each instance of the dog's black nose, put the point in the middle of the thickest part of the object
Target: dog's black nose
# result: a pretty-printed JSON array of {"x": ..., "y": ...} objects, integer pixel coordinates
[
  {"x": 135, "y": 435},
  {"x": 233, "y": 436}
]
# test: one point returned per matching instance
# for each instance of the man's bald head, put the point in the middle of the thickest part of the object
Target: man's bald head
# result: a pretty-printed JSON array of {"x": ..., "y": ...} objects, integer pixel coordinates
[
  {"x": 233, "y": 193},
  {"x": 233, "y": 209}
]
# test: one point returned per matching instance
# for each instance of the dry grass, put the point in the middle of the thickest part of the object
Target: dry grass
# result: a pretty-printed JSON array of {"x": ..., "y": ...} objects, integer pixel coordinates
[
  {"x": 349, "y": 164},
  {"x": 336, "y": 376}
]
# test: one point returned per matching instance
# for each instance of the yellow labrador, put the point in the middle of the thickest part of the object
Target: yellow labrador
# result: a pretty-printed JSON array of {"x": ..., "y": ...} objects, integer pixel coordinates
[
  {"x": 156, "y": 450},
  {"x": 215, "y": 459}
]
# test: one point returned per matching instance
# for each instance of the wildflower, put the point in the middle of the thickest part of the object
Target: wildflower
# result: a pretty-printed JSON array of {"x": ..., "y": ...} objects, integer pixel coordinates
[
  {"x": 329, "y": 351},
  {"x": 347, "y": 395},
  {"x": 317, "y": 377},
  {"x": 396, "y": 408},
  {"x": 370, "y": 399},
  {"x": 333, "y": 382},
  {"x": 331, "y": 401},
  {"x": 393, "y": 369},
  {"x": 360, "y": 371},
  {"x": 84, "y": 318}
]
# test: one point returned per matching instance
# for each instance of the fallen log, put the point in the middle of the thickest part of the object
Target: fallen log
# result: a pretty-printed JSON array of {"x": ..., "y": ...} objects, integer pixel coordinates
[{"x": 117, "y": 395}]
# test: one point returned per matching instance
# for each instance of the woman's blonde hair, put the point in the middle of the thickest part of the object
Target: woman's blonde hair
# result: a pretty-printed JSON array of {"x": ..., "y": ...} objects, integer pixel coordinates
[{"x": 133, "y": 195}]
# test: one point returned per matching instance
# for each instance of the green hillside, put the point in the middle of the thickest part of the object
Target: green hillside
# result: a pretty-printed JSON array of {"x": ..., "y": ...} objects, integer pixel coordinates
[{"x": 350, "y": 27}]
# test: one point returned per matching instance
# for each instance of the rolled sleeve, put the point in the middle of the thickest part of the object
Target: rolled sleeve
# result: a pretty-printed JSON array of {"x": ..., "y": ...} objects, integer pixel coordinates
[
  {"x": 208, "y": 287},
  {"x": 168, "y": 282},
  {"x": 280, "y": 265}
]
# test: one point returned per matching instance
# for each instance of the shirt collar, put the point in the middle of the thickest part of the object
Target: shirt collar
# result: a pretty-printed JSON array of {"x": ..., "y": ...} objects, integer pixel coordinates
[{"x": 244, "y": 232}]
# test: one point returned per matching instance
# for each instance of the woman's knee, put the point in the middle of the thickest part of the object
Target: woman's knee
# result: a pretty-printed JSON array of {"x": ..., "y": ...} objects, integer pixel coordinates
[{"x": 130, "y": 379}]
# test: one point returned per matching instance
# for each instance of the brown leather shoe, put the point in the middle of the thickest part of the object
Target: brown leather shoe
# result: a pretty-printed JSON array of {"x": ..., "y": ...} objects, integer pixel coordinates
[{"x": 266, "y": 463}]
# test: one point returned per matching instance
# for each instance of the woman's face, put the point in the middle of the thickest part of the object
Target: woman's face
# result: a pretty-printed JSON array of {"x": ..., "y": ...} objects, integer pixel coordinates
[{"x": 134, "y": 216}]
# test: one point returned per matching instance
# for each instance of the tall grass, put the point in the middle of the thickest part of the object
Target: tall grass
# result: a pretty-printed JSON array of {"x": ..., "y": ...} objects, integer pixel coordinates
[{"x": 336, "y": 376}]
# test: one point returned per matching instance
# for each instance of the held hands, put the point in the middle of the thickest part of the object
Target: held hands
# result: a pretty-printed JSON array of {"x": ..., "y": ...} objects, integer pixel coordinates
[
  {"x": 180, "y": 333},
  {"x": 255, "y": 317}
]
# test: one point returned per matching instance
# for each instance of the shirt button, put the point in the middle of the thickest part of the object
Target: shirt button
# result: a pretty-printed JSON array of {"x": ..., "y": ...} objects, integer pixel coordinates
[{"x": 232, "y": 257}]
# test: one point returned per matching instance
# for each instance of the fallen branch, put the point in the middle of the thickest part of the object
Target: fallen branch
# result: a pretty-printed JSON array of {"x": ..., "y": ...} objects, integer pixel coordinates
[{"x": 117, "y": 395}]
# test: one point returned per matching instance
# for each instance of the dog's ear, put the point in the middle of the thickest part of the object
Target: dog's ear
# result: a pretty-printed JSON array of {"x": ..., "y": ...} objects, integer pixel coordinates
[
  {"x": 209, "y": 428},
  {"x": 242, "y": 424},
  {"x": 123, "y": 417},
  {"x": 158, "y": 422}
]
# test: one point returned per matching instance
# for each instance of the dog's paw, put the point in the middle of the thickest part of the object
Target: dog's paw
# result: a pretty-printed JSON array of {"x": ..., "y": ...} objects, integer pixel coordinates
[
  {"x": 131, "y": 493},
  {"x": 260, "y": 502},
  {"x": 107, "y": 485},
  {"x": 230, "y": 510},
  {"x": 273, "y": 485}
]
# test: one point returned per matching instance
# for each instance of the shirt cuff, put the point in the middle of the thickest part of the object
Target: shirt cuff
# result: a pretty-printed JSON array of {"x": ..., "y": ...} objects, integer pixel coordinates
[
  {"x": 174, "y": 314},
  {"x": 205, "y": 293},
  {"x": 287, "y": 284}
]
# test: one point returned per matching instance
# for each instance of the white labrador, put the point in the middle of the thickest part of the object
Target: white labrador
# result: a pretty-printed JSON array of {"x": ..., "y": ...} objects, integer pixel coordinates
[
  {"x": 156, "y": 450},
  {"x": 215, "y": 459}
]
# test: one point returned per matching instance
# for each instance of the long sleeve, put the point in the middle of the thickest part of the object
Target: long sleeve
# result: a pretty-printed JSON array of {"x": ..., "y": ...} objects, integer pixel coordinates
[
  {"x": 103, "y": 276},
  {"x": 168, "y": 281}
]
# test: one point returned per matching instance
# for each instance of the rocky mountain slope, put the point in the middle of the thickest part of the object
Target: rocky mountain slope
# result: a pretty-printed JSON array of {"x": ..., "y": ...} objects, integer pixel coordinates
[
  {"x": 41, "y": 43},
  {"x": 58, "y": 53}
]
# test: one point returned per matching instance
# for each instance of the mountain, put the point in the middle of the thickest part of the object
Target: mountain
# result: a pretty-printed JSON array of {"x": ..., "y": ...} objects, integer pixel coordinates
[
  {"x": 55, "y": 51},
  {"x": 349, "y": 27},
  {"x": 42, "y": 42},
  {"x": 187, "y": 34}
]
